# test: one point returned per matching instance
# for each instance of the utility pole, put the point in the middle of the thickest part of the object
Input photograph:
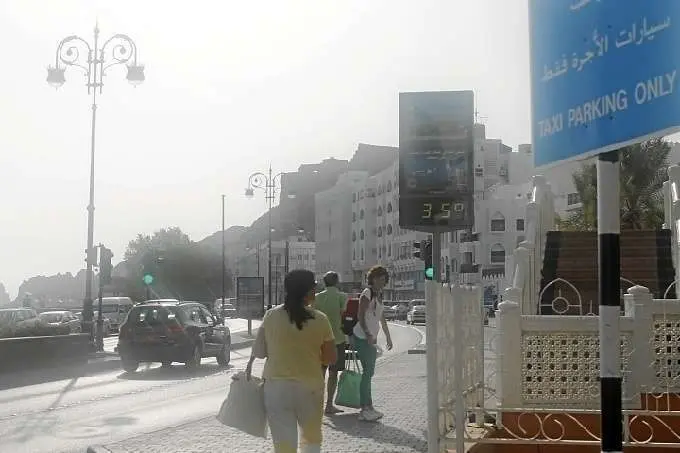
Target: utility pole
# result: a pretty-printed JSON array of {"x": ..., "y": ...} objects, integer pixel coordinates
[{"x": 224, "y": 264}]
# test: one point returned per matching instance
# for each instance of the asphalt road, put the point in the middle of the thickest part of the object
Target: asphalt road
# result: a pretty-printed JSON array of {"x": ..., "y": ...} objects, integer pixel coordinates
[{"x": 66, "y": 416}]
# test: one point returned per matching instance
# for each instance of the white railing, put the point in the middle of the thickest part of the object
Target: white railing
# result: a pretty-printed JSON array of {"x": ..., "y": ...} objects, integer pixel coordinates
[
  {"x": 671, "y": 191},
  {"x": 455, "y": 361},
  {"x": 528, "y": 256}
]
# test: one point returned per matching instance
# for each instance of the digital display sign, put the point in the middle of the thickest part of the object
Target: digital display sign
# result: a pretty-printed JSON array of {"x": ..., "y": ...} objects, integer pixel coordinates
[
  {"x": 435, "y": 211},
  {"x": 250, "y": 296},
  {"x": 436, "y": 160}
]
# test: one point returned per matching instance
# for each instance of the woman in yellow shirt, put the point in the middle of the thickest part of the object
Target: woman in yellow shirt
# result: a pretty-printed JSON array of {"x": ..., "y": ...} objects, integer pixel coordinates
[{"x": 297, "y": 341}]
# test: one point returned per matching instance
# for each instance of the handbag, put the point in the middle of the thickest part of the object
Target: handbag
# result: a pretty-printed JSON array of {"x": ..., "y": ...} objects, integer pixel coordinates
[
  {"x": 243, "y": 409},
  {"x": 349, "y": 382}
]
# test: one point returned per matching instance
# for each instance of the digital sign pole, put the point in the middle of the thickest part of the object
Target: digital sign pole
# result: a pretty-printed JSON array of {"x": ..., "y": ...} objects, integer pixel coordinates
[{"x": 436, "y": 195}]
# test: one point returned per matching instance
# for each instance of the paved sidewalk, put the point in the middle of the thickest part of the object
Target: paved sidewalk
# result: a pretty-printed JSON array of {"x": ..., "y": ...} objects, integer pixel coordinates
[{"x": 399, "y": 391}]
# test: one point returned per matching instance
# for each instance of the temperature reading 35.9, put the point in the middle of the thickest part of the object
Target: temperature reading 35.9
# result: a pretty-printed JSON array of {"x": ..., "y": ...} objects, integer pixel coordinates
[{"x": 441, "y": 210}]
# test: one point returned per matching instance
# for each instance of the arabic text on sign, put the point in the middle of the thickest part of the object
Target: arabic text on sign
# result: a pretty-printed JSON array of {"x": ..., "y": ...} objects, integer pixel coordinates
[{"x": 636, "y": 34}]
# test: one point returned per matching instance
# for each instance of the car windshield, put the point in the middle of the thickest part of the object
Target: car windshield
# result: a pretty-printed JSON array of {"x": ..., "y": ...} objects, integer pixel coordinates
[
  {"x": 52, "y": 317},
  {"x": 419, "y": 308},
  {"x": 109, "y": 308}
]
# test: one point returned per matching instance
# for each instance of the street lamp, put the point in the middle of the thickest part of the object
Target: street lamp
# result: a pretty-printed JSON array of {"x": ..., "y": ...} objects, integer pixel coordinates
[
  {"x": 94, "y": 61},
  {"x": 268, "y": 183}
]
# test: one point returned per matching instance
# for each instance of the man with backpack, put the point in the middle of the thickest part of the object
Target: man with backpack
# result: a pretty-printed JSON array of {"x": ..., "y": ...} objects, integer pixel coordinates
[{"x": 332, "y": 303}]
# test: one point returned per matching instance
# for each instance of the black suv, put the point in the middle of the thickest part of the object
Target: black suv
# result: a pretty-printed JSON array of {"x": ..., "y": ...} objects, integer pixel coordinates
[{"x": 169, "y": 331}]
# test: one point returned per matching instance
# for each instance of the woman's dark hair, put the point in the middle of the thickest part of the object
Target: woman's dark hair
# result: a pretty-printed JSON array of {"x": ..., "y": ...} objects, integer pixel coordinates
[
  {"x": 298, "y": 283},
  {"x": 377, "y": 272}
]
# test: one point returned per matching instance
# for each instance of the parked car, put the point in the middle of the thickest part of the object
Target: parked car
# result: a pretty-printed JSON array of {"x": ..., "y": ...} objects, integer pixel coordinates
[
  {"x": 61, "y": 322},
  {"x": 416, "y": 315},
  {"x": 114, "y": 309},
  {"x": 20, "y": 322},
  {"x": 172, "y": 331},
  {"x": 390, "y": 312}
]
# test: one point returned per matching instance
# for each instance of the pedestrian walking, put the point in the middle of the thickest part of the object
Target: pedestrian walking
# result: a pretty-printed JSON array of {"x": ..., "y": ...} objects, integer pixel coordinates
[
  {"x": 332, "y": 302},
  {"x": 296, "y": 340},
  {"x": 371, "y": 319}
]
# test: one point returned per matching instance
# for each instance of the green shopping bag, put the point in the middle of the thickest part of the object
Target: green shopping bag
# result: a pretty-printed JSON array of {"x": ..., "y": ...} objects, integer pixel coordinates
[{"x": 348, "y": 384}]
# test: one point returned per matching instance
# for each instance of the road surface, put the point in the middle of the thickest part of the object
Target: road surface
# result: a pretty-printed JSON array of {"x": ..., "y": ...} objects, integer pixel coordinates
[{"x": 66, "y": 416}]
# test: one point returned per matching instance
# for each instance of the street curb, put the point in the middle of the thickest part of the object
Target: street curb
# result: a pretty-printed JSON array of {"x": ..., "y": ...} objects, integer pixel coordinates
[{"x": 420, "y": 348}]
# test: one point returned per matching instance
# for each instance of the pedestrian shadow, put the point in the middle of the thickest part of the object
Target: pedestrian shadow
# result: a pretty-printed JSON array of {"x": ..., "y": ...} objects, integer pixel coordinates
[
  {"x": 39, "y": 423},
  {"x": 377, "y": 431}
]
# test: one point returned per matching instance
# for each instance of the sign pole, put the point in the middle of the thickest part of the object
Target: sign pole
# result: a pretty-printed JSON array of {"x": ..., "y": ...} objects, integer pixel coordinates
[
  {"x": 608, "y": 228},
  {"x": 432, "y": 351}
]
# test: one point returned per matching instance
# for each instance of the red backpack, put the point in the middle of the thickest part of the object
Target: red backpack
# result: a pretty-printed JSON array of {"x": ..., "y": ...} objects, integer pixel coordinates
[{"x": 350, "y": 316}]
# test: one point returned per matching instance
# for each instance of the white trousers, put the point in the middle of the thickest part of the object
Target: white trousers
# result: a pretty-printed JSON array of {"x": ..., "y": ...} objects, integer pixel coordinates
[{"x": 290, "y": 404}]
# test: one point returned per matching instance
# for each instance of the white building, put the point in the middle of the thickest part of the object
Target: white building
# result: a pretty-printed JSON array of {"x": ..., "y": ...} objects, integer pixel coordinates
[
  {"x": 333, "y": 211},
  {"x": 378, "y": 239}
]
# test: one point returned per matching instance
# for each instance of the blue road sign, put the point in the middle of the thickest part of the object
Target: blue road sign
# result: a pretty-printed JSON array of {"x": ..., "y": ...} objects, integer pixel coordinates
[{"x": 604, "y": 74}]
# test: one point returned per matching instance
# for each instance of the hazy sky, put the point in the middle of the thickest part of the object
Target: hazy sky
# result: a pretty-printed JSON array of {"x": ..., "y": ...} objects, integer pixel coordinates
[{"x": 231, "y": 86}]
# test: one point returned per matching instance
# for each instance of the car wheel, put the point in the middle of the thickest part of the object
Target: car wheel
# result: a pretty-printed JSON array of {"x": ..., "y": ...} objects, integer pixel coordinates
[
  {"x": 130, "y": 366},
  {"x": 224, "y": 356},
  {"x": 195, "y": 360}
]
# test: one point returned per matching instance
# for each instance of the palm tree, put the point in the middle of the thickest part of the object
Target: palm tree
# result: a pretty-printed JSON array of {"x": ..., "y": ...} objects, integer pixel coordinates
[{"x": 643, "y": 172}]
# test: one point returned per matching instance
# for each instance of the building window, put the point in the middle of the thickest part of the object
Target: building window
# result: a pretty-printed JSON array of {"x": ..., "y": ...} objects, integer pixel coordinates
[
  {"x": 389, "y": 207},
  {"x": 361, "y": 235},
  {"x": 379, "y": 232},
  {"x": 354, "y": 197},
  {"x": 354, "y": 236},
  {"x": 520, "y": 224},
  {"x": 389, "y": 251},
  {"x": 479, "y": 172},
  {"x": 354, "y": 216},
  {"x": 573, "y": 198},
  {"x": 497, "y": 222},
  {"x": 380, "y": 211},
  {"x": 497, "y": 254},
  {"x": 389, "y": 228},
  {"x": 354, "y": 254},
  {"x": 389, "y": 186},
  {"x": 362, "y": 254},
  {"x": 361, "y": 214}
]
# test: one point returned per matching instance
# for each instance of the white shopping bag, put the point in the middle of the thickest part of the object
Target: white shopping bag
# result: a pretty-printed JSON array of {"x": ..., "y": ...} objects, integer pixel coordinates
[{"x": 244, "y": 407}]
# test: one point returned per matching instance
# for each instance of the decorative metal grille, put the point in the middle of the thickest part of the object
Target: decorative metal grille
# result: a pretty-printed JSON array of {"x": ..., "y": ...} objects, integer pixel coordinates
[
  {"x": 562, "y": 369},
  {"x": 666, "y": 343}
]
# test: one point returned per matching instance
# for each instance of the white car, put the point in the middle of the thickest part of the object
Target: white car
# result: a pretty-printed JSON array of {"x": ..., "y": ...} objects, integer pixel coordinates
[{"x": 416, "y": 315}]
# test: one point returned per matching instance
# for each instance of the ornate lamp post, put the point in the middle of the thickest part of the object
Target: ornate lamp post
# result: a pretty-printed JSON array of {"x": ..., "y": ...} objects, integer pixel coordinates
[
  {"x": 269, "y": 184},
  {"x": 94, "y": 60}
]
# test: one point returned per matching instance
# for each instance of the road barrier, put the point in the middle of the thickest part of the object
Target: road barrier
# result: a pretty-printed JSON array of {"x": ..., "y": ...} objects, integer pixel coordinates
[{"x": 33, "y": 352}]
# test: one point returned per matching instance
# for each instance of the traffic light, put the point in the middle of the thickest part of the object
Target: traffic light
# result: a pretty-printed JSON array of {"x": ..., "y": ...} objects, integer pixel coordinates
[
  {"x": 418, "y": 252},
  {"x": 429, "y": 270},
  {"x": 105, "y": 266},
  {"x": 147, "y": 279}
]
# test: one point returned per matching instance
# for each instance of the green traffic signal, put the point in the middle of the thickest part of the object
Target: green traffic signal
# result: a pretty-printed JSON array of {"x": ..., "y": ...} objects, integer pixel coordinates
[
  {"x": 429, "y": 273},
  {"x": 147, "y": 279}
]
